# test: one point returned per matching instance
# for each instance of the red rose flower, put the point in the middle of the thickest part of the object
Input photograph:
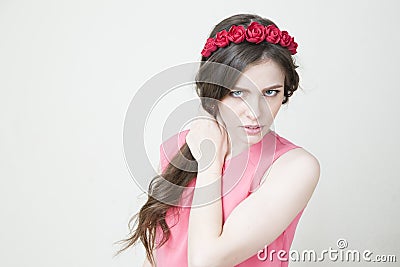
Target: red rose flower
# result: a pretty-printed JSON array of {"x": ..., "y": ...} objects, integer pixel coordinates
[
  {"x": 255, "y": 33},
  {"x": 236, "y": 34},
  {"x": 221, "y": 40},
  {"x": 292, "y": 47},
  {"x": 286, "y": 39},
  {"x": 273, "y": 34},
  {"x": 209, "y": 47}
]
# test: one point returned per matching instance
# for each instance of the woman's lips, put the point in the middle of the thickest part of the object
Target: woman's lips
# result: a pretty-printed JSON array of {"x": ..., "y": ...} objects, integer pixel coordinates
[{"x": 253, "y": 129}]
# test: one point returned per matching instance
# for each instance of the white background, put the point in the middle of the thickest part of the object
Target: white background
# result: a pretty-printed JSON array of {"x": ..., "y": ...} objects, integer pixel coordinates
[{"x": 69, "y": 69}]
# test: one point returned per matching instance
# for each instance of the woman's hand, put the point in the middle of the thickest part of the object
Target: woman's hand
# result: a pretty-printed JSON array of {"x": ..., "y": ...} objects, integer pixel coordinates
[{"x": 207, "y": 141}]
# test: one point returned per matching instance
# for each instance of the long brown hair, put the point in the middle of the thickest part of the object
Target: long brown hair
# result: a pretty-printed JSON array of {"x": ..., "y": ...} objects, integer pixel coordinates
[{"x": 178, "y": 172}]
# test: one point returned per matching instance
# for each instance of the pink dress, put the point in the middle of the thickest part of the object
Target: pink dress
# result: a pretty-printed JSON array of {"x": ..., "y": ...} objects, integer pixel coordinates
[{"x": 251, "y": 164}]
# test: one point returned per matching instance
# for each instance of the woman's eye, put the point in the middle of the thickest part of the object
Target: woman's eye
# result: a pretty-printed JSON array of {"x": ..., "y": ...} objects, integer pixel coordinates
[
  {"x": 268, "y": 93},
  {"x": 236, "y": 93},
  {"x": 272, "y": 92}
]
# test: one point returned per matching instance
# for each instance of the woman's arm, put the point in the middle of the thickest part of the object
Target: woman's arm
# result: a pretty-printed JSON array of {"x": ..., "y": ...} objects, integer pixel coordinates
[{"x": 256, "y": 221}]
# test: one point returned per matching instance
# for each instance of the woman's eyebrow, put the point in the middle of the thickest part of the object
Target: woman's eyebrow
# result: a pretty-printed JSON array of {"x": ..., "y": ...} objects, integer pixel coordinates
[{"x": 266, "y": 88}]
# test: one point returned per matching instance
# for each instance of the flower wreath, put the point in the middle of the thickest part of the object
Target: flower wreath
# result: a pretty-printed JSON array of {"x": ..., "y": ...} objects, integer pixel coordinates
[{"x": 255, "y": 33}]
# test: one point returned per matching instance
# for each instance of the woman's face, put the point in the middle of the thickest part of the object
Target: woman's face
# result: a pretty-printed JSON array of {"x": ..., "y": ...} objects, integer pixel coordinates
[{"x": 254, "y": 101}]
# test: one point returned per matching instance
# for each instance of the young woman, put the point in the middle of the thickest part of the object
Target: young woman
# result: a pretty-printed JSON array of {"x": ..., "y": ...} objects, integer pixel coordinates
[{"x": 236, "y": 202}]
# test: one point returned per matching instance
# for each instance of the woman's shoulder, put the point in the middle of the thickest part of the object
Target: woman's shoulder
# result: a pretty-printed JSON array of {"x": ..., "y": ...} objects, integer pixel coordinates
[
  {"x": 293, "y": 160},
  {"x": 293, "y": 151},
  {"x": 301, "y": 162},
  {"x": 177, "y": 137},
  {"x": 296, "y": 162},
  {"x": 170, "y": 146},
  {"x": 301, "y": 154}
]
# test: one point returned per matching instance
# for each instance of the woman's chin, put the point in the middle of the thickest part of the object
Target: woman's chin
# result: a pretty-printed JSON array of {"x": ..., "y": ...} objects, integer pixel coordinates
[
  {"x": 251, "y": 139},
  {"x": 245, "y": 137},
  {"x": 254, "y": 139}
]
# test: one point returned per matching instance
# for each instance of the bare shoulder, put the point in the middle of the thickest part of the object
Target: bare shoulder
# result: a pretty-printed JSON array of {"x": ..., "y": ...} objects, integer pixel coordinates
[
  {"x": 296, "y": 166},
  {"x": 302, "y": 155},
  {"x": 300, "y": 163}
]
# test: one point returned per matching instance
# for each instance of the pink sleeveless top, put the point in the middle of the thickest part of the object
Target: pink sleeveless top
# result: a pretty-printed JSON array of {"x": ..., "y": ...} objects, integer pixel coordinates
[{"x": 248, "y": 169}]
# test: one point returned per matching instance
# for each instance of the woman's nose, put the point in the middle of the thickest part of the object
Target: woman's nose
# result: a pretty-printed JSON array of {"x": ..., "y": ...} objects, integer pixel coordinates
[{"x": 254, "y": 107}]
